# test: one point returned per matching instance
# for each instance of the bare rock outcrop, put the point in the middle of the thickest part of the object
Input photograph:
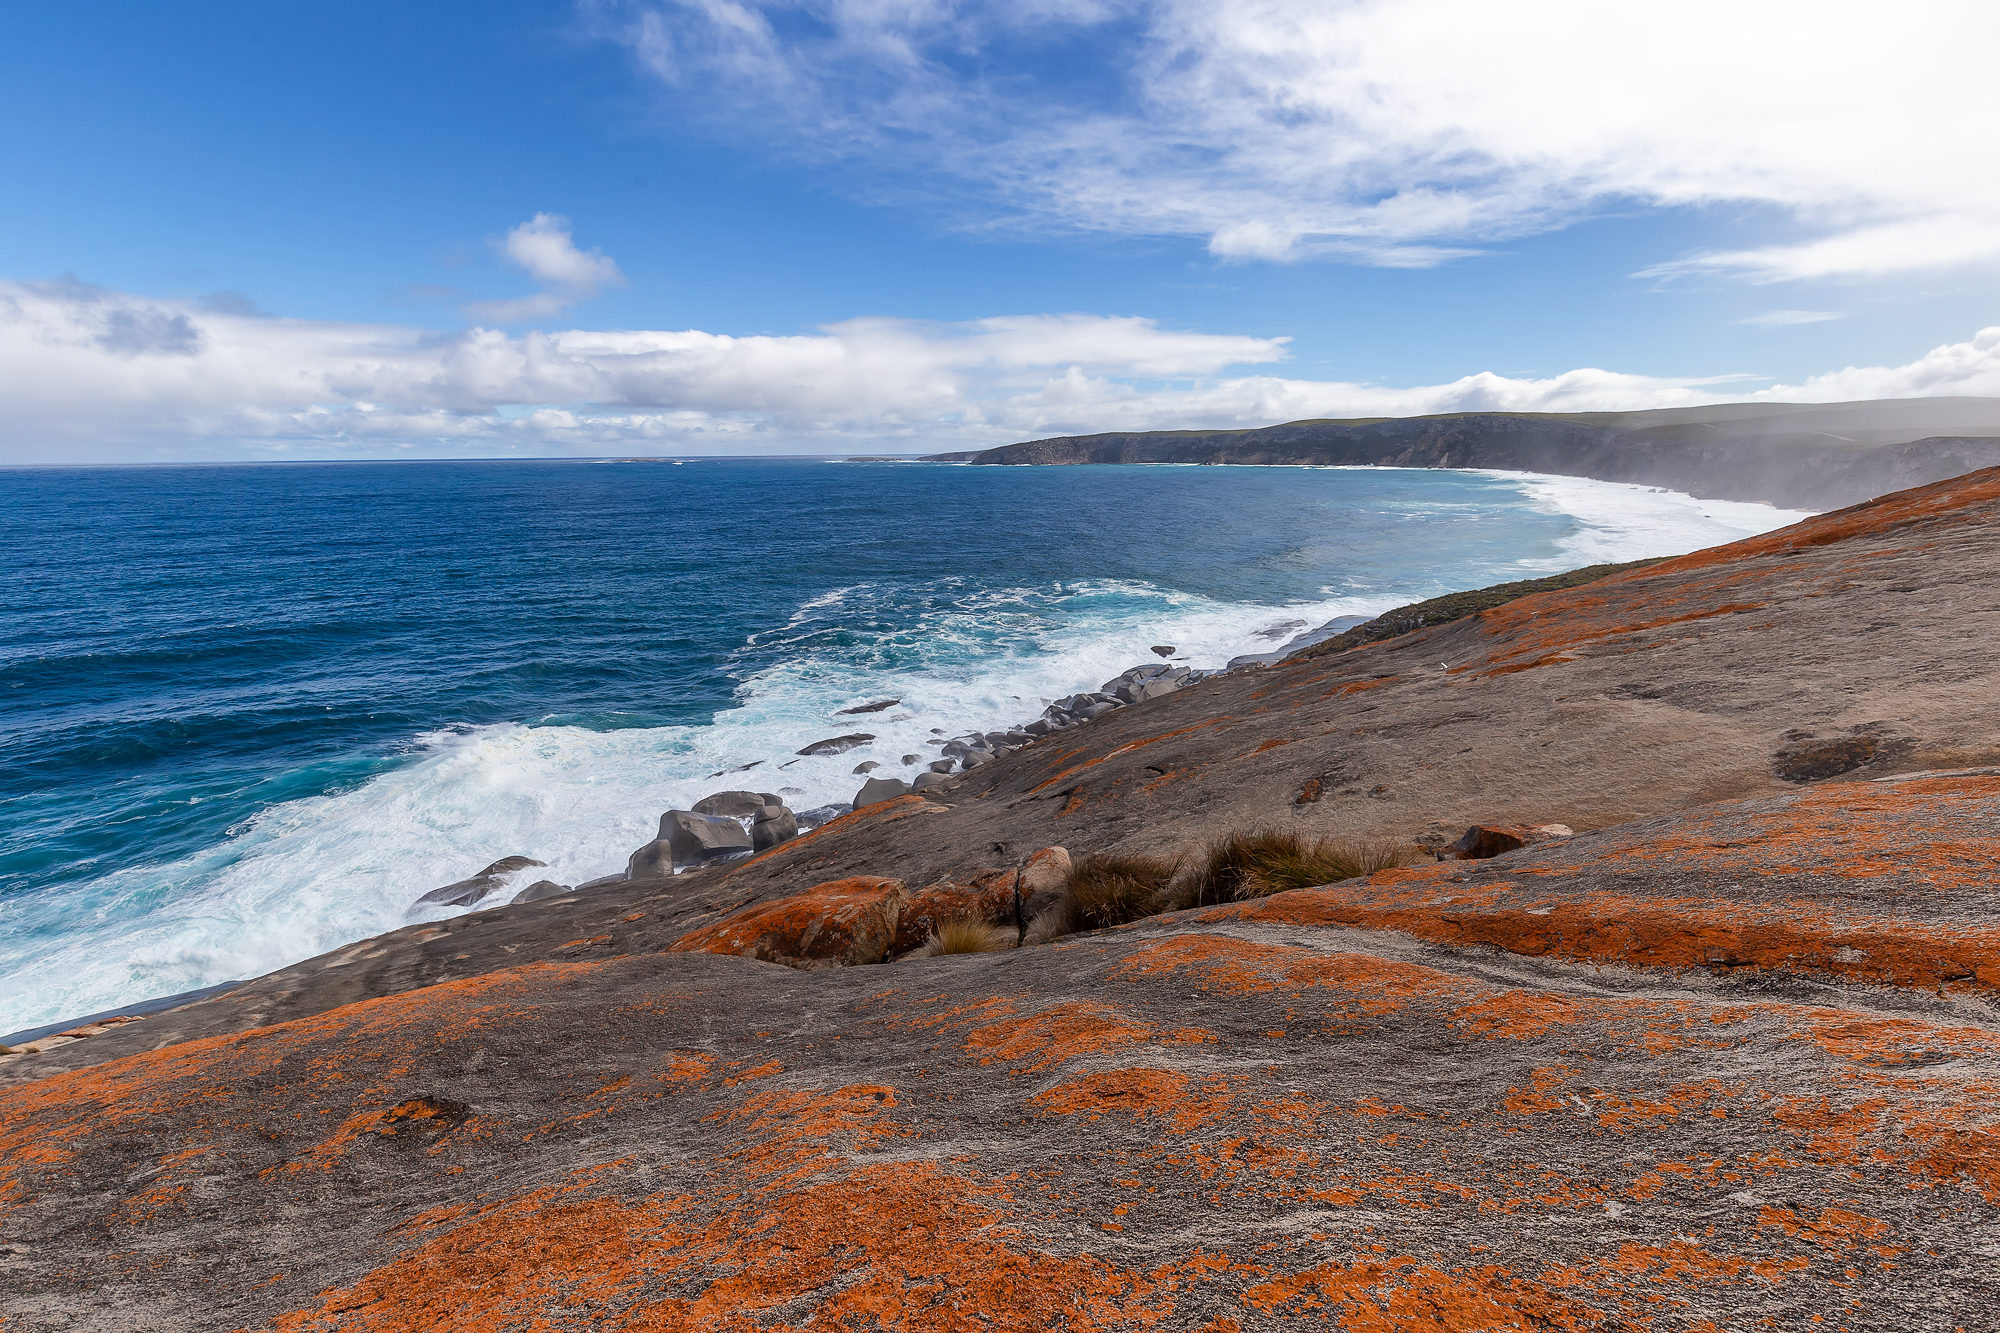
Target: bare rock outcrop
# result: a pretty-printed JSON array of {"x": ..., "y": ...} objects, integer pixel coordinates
[{"x": 1725, "y": 1058}]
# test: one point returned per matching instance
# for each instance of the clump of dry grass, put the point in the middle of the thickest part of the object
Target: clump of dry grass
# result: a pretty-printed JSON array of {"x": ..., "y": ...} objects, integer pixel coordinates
[
  {"x": 967, "y": 935},
  {"x": 1259, "y": 862},
  {"x": 1110, "y": 890}
]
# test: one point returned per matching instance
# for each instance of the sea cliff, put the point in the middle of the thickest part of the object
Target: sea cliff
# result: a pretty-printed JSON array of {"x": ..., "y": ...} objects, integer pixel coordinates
[{"x": 1712, "y": 1046}]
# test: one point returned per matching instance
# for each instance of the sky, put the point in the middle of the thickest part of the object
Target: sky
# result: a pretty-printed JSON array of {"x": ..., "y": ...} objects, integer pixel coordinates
[{"x": 241, "y": 231}]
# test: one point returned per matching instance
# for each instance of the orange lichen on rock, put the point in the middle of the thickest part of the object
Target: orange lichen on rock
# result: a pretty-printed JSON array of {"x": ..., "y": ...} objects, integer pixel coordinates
[
  {"x": 988, "y": 896},
  {"x": 837, "y": 924},
  {"x": 1767, "y": 885},
  {"x": 1165, "y": 1093},
  {"x": 1065, "y": 1031},
  {"x": 1229, "y": 966}
]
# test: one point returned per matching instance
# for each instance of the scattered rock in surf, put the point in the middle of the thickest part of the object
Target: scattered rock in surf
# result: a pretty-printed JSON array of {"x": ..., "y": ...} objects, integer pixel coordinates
[
  {"x": 909, "y": 759},
  {"x": 774, "y": 825},
  {"x": 740, "y": 768},
  {"x": 928, "y": 779},
  {"x": 836, "y": 744},
  {"x": 687, "y": 840},
  {"x": 875, "y": 707},
  {"x": 880, "y": 789},
  {"x": 1284, "y": 629},
  {"x": 734, "y": 804},
  {"x": 943, "y": 766},
  {"x": 540, "y": 889},
  {"x": 1165, "y": 649},
  {"x": 866, "y": 767},
  {"x": 469, "y": 891},
  {"x": 821, "y": 814}
]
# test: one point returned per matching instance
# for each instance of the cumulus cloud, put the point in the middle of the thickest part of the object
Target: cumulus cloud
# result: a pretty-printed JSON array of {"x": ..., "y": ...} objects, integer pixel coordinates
[
  {"x": 545, "y": 249},
  {"x": 96, "y": 375},
  {"x": 1399, "y": 132}
]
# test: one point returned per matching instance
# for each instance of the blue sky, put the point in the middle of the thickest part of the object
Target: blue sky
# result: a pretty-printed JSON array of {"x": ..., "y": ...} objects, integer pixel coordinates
[{"x": 256, "y": 230}]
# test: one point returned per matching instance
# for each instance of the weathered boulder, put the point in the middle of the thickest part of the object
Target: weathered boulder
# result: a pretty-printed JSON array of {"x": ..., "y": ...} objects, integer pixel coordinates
[
  {"x": 540, "y": 889},
  {"x": 838, "y": 924},
  {"x": 466, "y": 892},
  {"x": 1487, "y": 840},
  {"x": 866, "y": 767},
  {"x": 1043, "y": 881},
  {"x": 775, "y": 824},
  {"x": 1165, "y": 649},
  {"x": 943, "y": 766},
  {"x": 909, "y": 759},
  {"x": 837, "y": 744},
  {"x": 927, "y": 779},
  {"x": 880, "y": 789},
  {"x": 875, "y": 707},
  {"x": 735, "y": 804},
  {"x": 987, "y": 896},
  {"x": 694, "y": 839},
  {"x": 655, "y": 860}
]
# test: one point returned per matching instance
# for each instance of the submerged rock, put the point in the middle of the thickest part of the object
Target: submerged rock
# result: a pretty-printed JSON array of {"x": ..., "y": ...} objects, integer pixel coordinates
[
  {"x": 837, "y": 744},
  {"x": 875, "y": 707},
  {"x": 466, "y": 892}
]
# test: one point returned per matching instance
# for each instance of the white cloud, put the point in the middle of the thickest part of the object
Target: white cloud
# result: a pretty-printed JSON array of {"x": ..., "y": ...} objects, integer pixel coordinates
[
  {"x": 1387, "y": 131},
  {"x": 1783, "y": 319},
  {"x": 544, "y": 248},
  {"x": 95, "y": 375}
]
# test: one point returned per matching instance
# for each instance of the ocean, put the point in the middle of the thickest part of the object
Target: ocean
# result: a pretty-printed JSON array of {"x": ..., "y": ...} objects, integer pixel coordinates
[{"x": 248, "y": 714}]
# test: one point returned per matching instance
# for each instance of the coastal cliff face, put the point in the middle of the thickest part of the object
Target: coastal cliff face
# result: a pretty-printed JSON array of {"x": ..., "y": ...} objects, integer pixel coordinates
[
  {"x": 1790, "y": 456},
  {"x": 1728, "y": 1057}
]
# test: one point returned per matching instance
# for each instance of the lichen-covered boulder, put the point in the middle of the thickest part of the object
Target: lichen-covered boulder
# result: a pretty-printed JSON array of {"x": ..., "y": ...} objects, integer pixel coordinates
[
  {"x": 987, "y": 896},
  {"x": 837, "y": 924}
]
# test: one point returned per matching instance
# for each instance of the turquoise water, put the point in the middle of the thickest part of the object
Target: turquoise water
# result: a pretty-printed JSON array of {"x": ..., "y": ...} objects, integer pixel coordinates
[{"x": 250, "y": 713}]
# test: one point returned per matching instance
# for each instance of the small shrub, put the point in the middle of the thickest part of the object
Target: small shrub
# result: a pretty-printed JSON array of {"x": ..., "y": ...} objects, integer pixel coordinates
[
  {"x": 967, "y": 935},
  {"x": 1110, "y": 890},
  {"x": 1259, "y": 862}
]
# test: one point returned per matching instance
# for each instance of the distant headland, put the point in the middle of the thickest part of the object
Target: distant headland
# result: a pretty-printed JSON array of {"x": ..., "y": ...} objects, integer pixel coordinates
[{"x": 1794, "y": 455}]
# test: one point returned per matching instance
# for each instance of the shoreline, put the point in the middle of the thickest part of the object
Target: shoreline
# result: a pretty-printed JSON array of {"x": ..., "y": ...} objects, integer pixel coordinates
[{"x": 559, "y": 758}]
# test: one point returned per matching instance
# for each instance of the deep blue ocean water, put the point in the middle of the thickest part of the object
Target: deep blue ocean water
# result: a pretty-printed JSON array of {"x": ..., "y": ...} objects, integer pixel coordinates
[{"x": 250, "y": 713}]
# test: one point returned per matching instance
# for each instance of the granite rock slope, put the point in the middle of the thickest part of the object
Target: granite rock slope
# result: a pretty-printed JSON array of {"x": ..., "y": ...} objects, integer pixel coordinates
[
  {"x": 1225, "y": 1119},
  {"x": 1856, "y": 644},
  {"x": 1728, "y": 1058}
]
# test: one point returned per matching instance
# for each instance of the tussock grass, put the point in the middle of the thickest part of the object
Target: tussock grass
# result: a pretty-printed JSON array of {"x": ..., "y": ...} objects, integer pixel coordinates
[
  {"x": 967, "y": 935},
  {"x": 1259, "y": 862},
  {"x": 1110, "y": 890}
]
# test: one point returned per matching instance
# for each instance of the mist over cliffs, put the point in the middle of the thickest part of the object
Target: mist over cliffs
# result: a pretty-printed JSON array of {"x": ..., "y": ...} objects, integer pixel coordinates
[{"x": 1803, "y": 456}]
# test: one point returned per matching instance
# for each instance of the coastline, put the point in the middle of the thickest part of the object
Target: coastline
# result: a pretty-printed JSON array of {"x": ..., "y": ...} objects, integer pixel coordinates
[{"x": 310, "y": 874}]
